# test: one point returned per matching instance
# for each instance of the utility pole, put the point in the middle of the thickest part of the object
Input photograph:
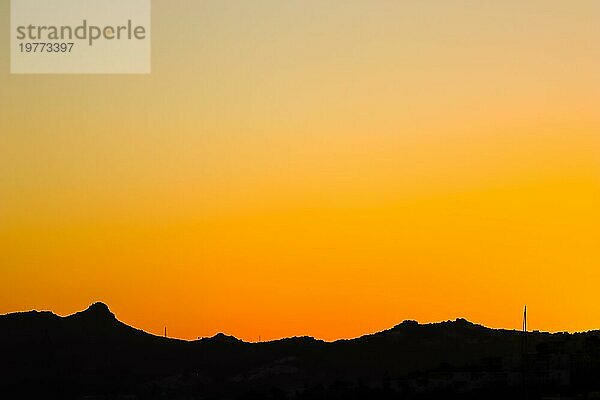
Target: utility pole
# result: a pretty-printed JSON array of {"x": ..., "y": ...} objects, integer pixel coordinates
[
  {"x": 524, "y": 360},
  {"x": 524, "y": 340}
]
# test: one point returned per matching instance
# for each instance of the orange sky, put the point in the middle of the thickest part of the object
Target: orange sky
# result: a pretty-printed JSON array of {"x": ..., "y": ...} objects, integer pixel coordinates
[{"x": 301, "y": 168}]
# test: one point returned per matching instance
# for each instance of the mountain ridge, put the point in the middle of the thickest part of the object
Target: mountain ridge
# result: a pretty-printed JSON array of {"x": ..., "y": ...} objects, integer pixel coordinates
[
  {"x": 91, "y": 354},
  {"x": 101, "y": 311}
]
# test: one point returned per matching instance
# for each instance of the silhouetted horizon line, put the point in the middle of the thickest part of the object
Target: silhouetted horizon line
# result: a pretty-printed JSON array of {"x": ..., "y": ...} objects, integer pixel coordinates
[{"x": 101, "y": 308}]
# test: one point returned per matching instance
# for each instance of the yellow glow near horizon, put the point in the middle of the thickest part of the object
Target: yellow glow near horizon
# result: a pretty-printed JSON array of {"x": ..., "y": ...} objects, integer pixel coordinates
[{"x": 301, "y": 168}]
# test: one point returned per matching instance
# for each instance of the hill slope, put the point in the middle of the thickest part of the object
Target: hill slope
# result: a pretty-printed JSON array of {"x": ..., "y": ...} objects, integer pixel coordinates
[{"x": 91, "y": 353}]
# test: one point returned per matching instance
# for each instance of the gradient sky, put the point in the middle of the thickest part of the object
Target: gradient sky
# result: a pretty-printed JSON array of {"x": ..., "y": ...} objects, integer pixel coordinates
[{"x": 323, "y": 168}]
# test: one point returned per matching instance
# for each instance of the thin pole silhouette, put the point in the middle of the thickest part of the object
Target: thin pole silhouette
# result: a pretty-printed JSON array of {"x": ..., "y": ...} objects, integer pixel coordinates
[
  {"x": 524, "y": 360},
  {"x": 524, "y": 340}
]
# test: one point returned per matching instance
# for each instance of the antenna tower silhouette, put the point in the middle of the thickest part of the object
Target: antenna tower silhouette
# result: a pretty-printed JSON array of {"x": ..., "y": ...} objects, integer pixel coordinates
[{"x": 524, "y": 340}]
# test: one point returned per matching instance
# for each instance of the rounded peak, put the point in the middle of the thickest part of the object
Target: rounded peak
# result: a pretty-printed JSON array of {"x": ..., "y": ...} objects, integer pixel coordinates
[
  {"x": 407, "y": 323},
  {"x": 221, "y": 337},
  {"x": 99, "y": 309},
  {"x": 462, "y": 320},
  {"x": 99, "y": 306}
]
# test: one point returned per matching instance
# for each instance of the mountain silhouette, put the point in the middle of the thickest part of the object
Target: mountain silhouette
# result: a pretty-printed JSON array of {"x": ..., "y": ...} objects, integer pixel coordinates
[
  {"x": 92, "y": 355},
  {"x": 98, "y": 311}
]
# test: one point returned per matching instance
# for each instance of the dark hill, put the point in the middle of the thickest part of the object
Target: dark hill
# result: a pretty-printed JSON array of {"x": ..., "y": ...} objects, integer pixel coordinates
[{"x": 91, "y": 354}]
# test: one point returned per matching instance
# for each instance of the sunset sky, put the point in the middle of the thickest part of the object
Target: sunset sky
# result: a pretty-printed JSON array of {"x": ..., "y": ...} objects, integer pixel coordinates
[{"x": 310, "y": 167}]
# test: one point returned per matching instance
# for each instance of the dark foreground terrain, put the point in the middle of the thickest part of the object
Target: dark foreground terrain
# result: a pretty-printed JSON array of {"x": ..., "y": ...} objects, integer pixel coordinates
[{"x": 91, "y": 355}]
